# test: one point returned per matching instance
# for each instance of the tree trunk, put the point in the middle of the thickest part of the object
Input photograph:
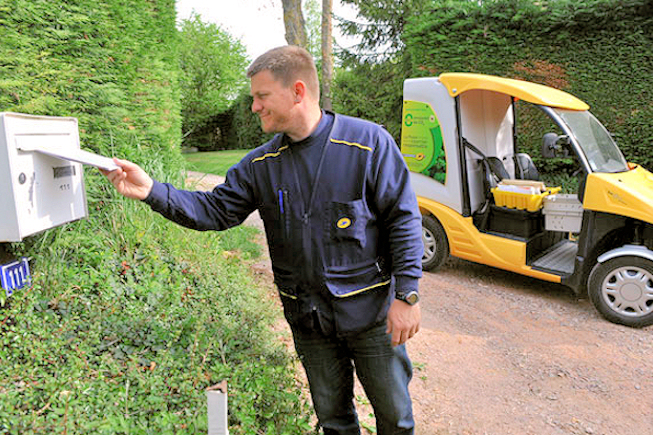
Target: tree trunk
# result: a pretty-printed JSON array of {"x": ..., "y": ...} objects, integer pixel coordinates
[
  {"x": 293, "y": 20},
  {"x": 327, "y": 54}
]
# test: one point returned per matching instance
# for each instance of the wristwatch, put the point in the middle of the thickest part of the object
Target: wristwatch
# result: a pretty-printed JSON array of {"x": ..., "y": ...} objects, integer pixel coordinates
[{"x": 411, "y": 297}]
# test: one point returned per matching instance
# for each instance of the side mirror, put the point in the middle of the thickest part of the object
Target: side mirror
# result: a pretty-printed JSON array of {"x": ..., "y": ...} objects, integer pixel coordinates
[
  {"x": 551, "y": 148},
  {"x": 548, "y": 145}
]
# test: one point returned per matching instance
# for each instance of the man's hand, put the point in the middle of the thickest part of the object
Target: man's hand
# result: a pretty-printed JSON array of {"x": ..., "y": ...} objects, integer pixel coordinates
[
  {"x": 129, "y": 179},
  {"x": 403, "y": 321}
]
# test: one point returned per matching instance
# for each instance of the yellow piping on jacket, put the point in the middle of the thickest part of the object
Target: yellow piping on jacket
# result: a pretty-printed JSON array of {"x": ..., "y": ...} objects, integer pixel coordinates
[
  {"x": 265, "y": 156},
  {"x": 287, "y": 295},
  {"x": 353, "y": 144},
  {"x": 343, "y": 142},
  {"x": 355, "y": 292}
]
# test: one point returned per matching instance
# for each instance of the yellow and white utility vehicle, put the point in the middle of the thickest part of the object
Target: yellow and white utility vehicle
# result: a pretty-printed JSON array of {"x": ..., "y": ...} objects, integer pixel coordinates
[{"x": 482, "y": 199}]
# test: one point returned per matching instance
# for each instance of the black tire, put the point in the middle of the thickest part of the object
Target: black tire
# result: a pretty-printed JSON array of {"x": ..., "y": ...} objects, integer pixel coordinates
[
  {"x": 436, "y": 246},
  {"x": 621, "y": 289}
]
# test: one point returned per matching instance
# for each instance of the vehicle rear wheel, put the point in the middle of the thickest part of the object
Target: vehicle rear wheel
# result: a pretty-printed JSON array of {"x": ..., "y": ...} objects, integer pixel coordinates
[
  {"x": 436, "y": 246},
  {"x": 621, "y": 289}
]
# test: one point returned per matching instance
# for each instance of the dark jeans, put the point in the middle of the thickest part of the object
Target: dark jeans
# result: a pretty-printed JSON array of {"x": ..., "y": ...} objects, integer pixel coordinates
[{"x": 384, "y": 372}]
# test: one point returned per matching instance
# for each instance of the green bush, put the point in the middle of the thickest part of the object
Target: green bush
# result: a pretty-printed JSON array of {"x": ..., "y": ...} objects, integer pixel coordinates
[
  {"x": 213, "y": 70},
  {"x": 111, "y": 65},
  {"x": 354, "y": 96},
  {"x": 129, "y": 321},
  {"x": 245, "y": 130}
]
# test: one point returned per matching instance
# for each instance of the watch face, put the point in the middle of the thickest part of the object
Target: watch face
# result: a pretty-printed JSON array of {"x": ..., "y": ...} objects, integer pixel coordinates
[{"x": 412, "y": 298}]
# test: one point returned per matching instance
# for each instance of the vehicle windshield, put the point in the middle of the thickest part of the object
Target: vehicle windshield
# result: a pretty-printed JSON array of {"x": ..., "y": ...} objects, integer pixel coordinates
[{"x": 601, "y": 151}]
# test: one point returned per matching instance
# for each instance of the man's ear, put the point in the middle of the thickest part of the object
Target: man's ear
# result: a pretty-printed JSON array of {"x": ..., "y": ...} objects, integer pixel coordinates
[{"x": 299, "y": 90}]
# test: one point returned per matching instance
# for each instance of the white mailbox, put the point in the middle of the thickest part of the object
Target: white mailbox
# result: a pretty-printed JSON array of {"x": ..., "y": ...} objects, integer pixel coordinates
[{"x": 38, "y": 189}]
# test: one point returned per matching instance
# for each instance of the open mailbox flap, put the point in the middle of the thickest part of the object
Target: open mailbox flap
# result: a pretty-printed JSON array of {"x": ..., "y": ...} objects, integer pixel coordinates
[{"x": 51, "y": 147}]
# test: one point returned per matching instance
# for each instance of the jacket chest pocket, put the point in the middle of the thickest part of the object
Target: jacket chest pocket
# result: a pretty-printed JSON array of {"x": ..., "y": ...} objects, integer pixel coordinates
[
  {"x": 346, "y": 221},
  {"x": 276, "y": 218}
]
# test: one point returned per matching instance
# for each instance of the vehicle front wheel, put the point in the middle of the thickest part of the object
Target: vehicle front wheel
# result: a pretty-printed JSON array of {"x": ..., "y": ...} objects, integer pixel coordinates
[
  {"x": 621, "y": 289},
  {"x": 436, "y": 246}
]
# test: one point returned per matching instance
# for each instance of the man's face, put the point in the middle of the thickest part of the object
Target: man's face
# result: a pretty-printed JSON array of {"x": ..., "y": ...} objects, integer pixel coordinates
[{"x": 273, "y": 103}]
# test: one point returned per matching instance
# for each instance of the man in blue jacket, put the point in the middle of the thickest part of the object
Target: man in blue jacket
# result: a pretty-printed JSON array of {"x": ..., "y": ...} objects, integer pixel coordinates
[{"x": 344, "y": 234}]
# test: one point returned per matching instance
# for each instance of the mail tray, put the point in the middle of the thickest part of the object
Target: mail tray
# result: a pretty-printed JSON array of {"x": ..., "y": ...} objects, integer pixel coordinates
[{"x": 521, "y": 201}]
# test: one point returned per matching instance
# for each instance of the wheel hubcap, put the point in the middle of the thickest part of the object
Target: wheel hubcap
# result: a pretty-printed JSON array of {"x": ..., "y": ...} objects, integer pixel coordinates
[
  {"x": 429, "y": 245},
  {"x": 629, "y": 291}
]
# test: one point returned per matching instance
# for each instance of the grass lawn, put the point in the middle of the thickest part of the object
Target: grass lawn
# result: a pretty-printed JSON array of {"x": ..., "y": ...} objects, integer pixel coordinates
[{"x": 214, "y": 162}]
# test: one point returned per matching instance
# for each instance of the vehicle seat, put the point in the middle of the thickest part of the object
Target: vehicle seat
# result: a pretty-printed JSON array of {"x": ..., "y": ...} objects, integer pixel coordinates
[
  {"x": 524, "y": 168},
  {"x": 497, "y": 169},
  {"x": 493, "y": 173}
]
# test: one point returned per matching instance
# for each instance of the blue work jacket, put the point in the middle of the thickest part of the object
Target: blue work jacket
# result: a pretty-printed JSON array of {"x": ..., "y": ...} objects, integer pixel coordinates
[{"x": 338, "y": 249}]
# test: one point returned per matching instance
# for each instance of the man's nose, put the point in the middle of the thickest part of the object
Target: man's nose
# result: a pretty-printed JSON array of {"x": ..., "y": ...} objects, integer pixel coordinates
[{"x": 256, "y": 106}]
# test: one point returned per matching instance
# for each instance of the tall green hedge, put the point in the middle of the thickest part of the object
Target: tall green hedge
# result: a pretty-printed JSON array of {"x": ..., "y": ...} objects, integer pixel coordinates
[
  {"x": 111, "y": 64},
  {"x": 599, "y": 50},
  {"x": 129, "y": 317},
  {"x": 354, "y": 96}
]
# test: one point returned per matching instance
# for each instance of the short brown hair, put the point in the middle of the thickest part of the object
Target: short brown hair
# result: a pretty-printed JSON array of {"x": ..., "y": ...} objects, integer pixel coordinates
[{"x": 287, "y": 64}]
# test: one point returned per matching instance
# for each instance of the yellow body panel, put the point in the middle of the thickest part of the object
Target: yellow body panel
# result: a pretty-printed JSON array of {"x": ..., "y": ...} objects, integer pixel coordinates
[
  {"x": 466, "y": 242},
  {"x": 627, "y": 194},
  {"x": 457, "y": 83}
]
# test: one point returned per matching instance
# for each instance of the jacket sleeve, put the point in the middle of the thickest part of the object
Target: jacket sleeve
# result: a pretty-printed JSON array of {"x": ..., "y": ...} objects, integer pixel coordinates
[
  {"x": 397, "y": 207},
  {"x": 226, "y": 206}
]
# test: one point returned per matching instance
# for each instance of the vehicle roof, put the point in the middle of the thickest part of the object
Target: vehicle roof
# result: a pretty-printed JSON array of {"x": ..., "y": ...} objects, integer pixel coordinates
[{"x": 457, "y": 83}]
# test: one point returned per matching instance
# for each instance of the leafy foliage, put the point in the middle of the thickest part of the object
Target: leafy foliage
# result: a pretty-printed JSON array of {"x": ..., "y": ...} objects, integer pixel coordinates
[
  {"x": 123, "y": 334},
  {"x": 313, "y": 20},
  {"x": 380, "y": 25},
  {"x": 245, "y": 125},
  {"x": 111, "y": 66},
  {"x": 381, "y": 104},
  {"x": 213, "y": 67}
]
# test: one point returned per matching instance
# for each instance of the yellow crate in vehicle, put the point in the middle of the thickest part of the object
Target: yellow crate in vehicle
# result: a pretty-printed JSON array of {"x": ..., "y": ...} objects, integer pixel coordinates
[{"x": 518, "y": 200}]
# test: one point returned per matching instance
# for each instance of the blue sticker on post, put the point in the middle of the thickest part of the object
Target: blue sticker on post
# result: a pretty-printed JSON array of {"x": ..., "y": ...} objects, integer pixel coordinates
[{"x": 14, "y": 276}]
